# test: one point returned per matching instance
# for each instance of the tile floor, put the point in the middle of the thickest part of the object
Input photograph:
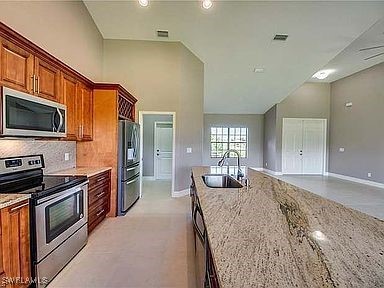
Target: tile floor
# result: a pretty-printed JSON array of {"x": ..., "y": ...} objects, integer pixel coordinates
[
  {"x": 364, "y": 198},
  {"x": 152, "y": 246}
]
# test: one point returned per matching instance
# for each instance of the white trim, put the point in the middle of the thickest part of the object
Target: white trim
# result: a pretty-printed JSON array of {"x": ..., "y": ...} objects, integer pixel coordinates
[
  {"x": 155, "y": 168},
  {"x": 141, "y": 118},
  {"x": 325, "y": 152},
  {"x": 149, "y": 178},
  {"x": 277, "y": 173},
  {"x": 181, "y": 193},
  {"x": 357, "y": 180}
]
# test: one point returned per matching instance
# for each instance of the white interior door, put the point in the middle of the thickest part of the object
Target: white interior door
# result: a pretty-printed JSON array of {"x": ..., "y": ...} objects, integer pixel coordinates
[
  {"x": 163, "y": 150},
  {"x": 303, "y": 146},
  {"x": 292, "y": 146},
  {"x": 313, "y": 146}
]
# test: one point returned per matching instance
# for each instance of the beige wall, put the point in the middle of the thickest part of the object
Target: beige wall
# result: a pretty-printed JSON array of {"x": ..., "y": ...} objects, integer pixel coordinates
[
  {"x": 63, "y": 28},
  {"x": 163, "y": 76},
  {"x": 358, "y": 129}
]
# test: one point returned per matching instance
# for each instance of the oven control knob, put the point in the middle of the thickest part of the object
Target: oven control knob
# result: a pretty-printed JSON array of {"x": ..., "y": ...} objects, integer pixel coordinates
[
  {"x": 81, "y": 216},
  {"x": 37, "y": 161},
  {"x": 31, "y": 162}
]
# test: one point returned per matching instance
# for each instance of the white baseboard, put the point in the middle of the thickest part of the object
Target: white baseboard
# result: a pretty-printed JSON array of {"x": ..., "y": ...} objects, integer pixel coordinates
[
  {"x": 277, "y": 173},
  {"x": 357, "y": 180},
  {"x": 149, "y": 178},
  {"x": 181, "y": 193},
  {"x": 257, "y": 168}
]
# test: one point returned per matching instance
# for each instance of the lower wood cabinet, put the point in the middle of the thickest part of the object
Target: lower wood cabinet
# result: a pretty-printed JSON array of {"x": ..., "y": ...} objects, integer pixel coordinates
[
  {"x": 99, "y": 194},
  {"x": 15, "y": 244}
]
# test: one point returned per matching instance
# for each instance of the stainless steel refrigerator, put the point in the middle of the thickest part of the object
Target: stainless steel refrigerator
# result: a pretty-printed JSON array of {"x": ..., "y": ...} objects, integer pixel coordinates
[{"x": 129, "y": 166}]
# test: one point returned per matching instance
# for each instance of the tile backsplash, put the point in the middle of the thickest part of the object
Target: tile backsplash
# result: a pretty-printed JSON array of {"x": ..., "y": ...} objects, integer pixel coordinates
[{"x": 53, "y": 151}]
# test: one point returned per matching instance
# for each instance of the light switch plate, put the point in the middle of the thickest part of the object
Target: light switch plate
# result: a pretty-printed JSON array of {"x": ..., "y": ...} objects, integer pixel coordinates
[
  {"x": 189, "y": 150},
  {"x": 66, "y": 156},
  {"x": 369, "y": 174},
  {"x": 341, "y": 149}
]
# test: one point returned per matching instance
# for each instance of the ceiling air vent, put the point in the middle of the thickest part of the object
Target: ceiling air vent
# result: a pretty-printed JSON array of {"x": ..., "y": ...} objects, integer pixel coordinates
[
  {"x": 162, "y": 33},
  {"x": 280, "y": 37}
]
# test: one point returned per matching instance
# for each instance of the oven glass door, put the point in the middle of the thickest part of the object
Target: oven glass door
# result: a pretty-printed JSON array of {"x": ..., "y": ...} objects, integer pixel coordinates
[
  {"x": 23, "y": 114},
  {"x": 62, "y": 214}
]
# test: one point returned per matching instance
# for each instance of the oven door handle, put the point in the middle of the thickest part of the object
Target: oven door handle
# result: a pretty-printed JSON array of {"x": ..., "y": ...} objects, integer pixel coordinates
[{"x": 53, "y": 198}]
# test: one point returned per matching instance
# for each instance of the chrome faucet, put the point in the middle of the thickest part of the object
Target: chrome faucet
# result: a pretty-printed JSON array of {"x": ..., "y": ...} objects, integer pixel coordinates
[{"x": 240, "y": 173}]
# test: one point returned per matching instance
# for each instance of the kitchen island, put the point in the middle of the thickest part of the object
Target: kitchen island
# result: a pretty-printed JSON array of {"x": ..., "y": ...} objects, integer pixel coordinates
[{"x": 274, "y": 234}]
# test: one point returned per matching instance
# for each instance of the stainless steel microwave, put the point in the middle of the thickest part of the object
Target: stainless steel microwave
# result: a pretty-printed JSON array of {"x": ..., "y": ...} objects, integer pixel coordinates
[{"x": 31, "y": 116}]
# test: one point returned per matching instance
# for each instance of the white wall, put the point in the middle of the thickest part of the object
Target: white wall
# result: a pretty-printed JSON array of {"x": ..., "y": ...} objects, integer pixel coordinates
[{"x": 62, "y": 28}]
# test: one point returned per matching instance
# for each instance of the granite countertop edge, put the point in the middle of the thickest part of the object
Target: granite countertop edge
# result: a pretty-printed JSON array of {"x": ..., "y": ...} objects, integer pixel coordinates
[
  {"x": 7, "y": 200},
  {"x": 80, "y": 171}
]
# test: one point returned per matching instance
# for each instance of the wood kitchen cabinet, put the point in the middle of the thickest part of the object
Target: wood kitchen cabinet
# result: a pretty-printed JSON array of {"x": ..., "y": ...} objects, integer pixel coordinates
[
  {"x": 15, "y": 240},
  {"x": 69, "y": 88},
  {"x": 47, "y": 79},
  {"x": 99, "y": 193},
  {"x": 23, "y": 71},
  {"x": 85, "y": 112},
  {"x": 16, "y": 67}
]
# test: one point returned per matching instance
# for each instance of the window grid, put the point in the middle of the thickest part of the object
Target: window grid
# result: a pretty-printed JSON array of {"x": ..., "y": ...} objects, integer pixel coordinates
[{"x": 224, "y": 138}]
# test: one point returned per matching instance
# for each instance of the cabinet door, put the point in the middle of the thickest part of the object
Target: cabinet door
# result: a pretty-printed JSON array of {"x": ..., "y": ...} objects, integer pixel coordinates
[
  {"x": 15, "y": 232},
  {"x": 69, "y": 91},
  {"x": 85, "y": 112},
  {"x": 16, "y": 67},
  {"x": 2, "y": 271},
  {"x": 48, "y": 81}
]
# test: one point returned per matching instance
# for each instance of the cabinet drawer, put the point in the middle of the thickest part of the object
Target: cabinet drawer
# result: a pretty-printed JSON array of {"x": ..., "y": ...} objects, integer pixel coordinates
[
  {"x": 98, "y": 211},
  {"x": 98, "y": 193},
  {"x": 99, "y": 179}
]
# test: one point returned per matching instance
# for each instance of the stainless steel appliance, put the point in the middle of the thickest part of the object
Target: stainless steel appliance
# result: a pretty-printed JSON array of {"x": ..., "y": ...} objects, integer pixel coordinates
[
  {"x": 28, "y": 115},
  {"x": 129, "y": 166},
  {"x": 58, "y": 210}
]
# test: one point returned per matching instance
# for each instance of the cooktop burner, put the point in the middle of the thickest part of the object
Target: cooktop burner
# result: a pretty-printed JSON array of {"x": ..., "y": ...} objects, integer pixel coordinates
[{"x": 24, "y": 175}]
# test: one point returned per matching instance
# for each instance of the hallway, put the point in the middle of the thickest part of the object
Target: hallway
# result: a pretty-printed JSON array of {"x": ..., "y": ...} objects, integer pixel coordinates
[{"x": 152, "y": 246}]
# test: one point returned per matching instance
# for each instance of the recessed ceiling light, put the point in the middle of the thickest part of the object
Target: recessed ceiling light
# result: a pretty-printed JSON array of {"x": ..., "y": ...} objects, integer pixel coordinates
[
  {"x": 258, "y": 70},
  {"x": 207, "y": 4},
  {"x": 144, "y": 3},
  {"x": 322, "y": 74}
]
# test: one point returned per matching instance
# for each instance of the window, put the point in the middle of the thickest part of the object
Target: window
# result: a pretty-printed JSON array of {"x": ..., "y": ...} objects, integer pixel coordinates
[{"x": 224, "y": 138}]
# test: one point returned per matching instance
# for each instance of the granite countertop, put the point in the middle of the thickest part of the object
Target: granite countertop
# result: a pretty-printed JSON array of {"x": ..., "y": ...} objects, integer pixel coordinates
[
  {"x": 10, "y": 199},
  {"x": 274, "y": 234},
  {"x": 81, "y": 171}
]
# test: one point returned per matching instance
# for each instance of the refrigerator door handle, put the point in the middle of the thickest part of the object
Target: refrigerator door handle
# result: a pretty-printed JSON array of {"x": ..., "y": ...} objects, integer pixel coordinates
[{"x": 132, "y": 181}]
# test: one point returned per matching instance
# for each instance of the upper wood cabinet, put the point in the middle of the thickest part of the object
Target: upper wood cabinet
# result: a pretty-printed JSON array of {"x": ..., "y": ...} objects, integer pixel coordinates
[
  {"x": 23, "y": 71},
  {"x": 47, "y": 79},
  {"x": 69, "y": 91},
  {"x": 16, "y": 241},
  {"x": 85, "y": 111},
  {"x": 16, "y": 67}
]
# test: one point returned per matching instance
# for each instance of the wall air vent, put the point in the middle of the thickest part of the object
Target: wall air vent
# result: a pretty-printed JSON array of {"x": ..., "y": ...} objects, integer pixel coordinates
[
  {"x": 280, "y": 37},
  {"x": 162, "y": 33}
]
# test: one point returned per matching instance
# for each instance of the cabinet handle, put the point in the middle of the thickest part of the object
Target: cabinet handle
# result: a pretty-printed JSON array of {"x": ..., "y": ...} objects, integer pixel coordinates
[
  {"x": 33, "y": 83},
  {"x": 99, "y": 213},
  {"x": 18, "y": 207},
  {"x": 101, "y": 179},
  {"x": 100, "y": 194},
  {"x": 38, "y": 85}
]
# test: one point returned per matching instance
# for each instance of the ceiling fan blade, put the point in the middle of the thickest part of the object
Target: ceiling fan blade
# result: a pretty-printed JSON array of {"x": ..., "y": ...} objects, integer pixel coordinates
[
  {"x": 377, "y": 55},
  {"x": 370, "y": 48}
]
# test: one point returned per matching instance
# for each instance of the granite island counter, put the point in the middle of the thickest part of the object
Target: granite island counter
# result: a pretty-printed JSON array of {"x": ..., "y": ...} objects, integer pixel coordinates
[{"x": 274, "y": 234}]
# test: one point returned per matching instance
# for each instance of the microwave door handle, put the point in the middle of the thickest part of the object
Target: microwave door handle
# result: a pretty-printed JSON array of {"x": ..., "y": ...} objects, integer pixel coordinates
[
  {"x": 54, "y": 128},
  {"x": 61, "y": 120}
]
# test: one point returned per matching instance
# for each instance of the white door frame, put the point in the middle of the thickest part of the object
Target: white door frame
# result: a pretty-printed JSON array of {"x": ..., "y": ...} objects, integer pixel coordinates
[
  {"x": 325, "y": 142},
  {"x": 155, "y": 172},
  {"x": 141, "y": 121}
]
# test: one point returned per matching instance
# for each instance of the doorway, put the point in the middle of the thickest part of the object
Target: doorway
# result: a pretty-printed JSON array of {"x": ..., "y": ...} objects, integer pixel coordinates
[
  {"x": 157, "y": 130},
  {"x": 304, "y": 146}
]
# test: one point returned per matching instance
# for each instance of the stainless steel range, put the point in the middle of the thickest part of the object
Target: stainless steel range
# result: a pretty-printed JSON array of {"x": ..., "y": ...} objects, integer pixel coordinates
[{"x": 59, "y": 211}]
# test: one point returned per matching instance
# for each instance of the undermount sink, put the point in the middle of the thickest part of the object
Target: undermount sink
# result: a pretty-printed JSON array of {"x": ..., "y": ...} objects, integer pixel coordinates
[{"x": 221, "y": 181}]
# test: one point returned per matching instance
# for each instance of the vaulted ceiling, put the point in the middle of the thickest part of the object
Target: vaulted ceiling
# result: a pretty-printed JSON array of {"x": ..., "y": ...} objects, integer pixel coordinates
[{"x": 234, "y": 37}]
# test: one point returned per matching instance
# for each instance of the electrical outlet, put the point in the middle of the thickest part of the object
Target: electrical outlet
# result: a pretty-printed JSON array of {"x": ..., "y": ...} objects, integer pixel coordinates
[
  {"x": 266, "y": 164},
  {"x": 66, "y": 156},
  {"x": 189, "y": 150},
  {"x": 369, "y": 174},
  {"x": 341, "y": 149}
]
